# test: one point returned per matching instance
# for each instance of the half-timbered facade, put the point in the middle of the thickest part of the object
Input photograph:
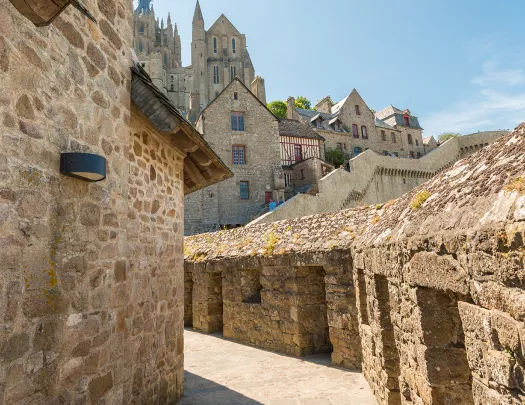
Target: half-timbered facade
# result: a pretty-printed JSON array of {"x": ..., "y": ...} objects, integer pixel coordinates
[{"x": 299, "y": 142}]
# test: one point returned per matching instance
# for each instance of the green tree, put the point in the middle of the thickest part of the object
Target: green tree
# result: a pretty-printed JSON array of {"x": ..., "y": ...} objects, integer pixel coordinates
[
  {"x": 335, "y": 157},
  {"x": 279, "y": 108},
  {"x": 303, "y": 102},
  {"x": 445, "y": 136}
]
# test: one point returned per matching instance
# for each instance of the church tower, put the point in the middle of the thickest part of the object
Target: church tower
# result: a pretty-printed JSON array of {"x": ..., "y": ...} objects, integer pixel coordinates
[{"x": 199, "y": 55}]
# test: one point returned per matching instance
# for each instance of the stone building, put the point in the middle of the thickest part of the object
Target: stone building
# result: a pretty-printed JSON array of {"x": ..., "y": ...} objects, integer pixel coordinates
[
  {"x": 245, "y": 134},
  {"x": 218, "y": 55},
  {"x": 91, "y": 297},
  {"x": 353, "y": 128},
  {"x": 426, "y": 295}
]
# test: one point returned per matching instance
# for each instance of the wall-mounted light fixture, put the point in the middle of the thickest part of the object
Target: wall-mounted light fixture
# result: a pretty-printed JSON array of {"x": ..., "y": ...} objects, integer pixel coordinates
[{"x": 85, "y": 166}]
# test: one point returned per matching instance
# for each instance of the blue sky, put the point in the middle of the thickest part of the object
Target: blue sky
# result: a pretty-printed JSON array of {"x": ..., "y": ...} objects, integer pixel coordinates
[{"x": 459, "y": 65}]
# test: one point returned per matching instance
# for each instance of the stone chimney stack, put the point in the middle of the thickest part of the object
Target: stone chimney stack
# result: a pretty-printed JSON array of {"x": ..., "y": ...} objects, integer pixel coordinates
[
  {"x": 325, "y": 105},
  {"x": 291, "y": 108},
  {"x": 259, "y": 89}
]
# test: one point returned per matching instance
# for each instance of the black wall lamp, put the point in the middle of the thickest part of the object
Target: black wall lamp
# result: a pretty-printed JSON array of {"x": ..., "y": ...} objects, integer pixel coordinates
[{"x": 85, "y": 166}]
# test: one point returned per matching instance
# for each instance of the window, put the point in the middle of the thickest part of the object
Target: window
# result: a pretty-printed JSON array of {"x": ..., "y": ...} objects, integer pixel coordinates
[
  {"x": 214, "y": 44},
  {"x": 357, "y": 112},
  {"x": 239, "y": 154},
  {"x": 251, "y": 286},
  {"x": 165, "y": 59},
  {"x": 364, "y": 132},
  {"x": 287, "y": 180},
  {"x": 410, "y": 141},
  {"x": 340, "y": 147},
  {"x": 396, "y": 154},
  {"x": 238, "y": 121},
  {"x": 302, "y": 174},
  {"x": 417, "y": 142},
  {"x": 383, "y": 136},
  {"x": 411, "y": 155},
  {"x": 406, "y": 118},
  {"x": 268, "y": 196},
  {"x": 318, "y": 123},
  {"x": 419, "y": 155},
  {"x": 393, "y": 135},
  {"x": 298, "y": 153},
  {"x": 216, "y": 74},
  {"x": 245, "y": 190},
  {"x": 235, "y": 96},
  {"x": 233, "y": 45},
  {"x": 172, "y": 87},
  {"x": 357, "y": 150},
  {"x": 140, "y": 46},
  {"x": 233, "y": 72},
  {"x": 355, "y": 131},
  {"x": 141, "y": 28},
  {"x": 385, "y": 153}
]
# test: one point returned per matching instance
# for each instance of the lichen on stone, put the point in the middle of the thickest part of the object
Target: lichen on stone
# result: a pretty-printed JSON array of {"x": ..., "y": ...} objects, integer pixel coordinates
[{"x": 420, "y": 199}]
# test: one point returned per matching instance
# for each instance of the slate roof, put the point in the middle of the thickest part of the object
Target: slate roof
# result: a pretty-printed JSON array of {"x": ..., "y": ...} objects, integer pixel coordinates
[
  {"x": 167, "y": 118},
  {"x": 297, "y": 129},
  {"x": 337, "y": 106},
  {"x": 382, "y": 124}
]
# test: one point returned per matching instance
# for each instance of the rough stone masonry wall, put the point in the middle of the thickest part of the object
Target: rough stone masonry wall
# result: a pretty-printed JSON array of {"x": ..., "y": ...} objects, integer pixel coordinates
[
  {"x": 84, "y": 315},
  {"x": 438, "y": 275}
]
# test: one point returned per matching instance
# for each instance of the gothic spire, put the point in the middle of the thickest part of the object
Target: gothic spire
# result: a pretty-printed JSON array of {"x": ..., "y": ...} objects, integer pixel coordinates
[{"x": 198, "y": 13}]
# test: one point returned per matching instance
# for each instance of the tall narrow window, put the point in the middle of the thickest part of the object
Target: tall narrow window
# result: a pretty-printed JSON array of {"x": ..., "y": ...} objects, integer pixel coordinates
[
  {"x": 141, "y": 27},
  {"x": 233, "y": 72},
  {"x": 355, "y": 131},
  {"x": 364, "y": 132},
  {"x": 233, "y": 46},
  {"x": 238, "y": 121},
  {"x": 410, "y": 141},
  {"x": 357, "y": 112},
  {"x": 383, "y": 136},
  {"x": 287, "y": 180},
  {"x": 412, "y": 155},
  {"x": 216, "y": 74},
  {"x": 298, "y": 153},
  {"x": 239, "y": 154},
  {"x": 417, "y": 142},
  {"x": 214, "y": 44},
  {"x": 235, "y": 96},
  {"x": 245, "y": 190},
  {"x": 140, "y": 46},
  {"x": 393, "y": 135},
  {"x": 172, "y": 87}
]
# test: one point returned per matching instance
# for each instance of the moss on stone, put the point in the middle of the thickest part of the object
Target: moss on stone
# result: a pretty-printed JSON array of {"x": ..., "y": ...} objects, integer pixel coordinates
[
  {"x": 420, "y": 199},
  {"x": 517, "y": 185}
]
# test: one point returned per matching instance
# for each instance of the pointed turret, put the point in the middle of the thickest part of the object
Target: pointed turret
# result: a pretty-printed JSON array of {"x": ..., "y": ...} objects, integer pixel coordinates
[{"x": 197, "y": 17}]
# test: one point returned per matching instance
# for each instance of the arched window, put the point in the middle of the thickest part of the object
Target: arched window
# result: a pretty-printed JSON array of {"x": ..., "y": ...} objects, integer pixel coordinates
[
  {"x": 233, "y": 72},
  {"x": 364, "y": 132},
  {"x": 410, "y": 141},
  {"x": 216, "y": 74},
  {"x": 140, "y": 46},
  {"x": 214, "y": 44},
  {"x": 233, "y": 46}
]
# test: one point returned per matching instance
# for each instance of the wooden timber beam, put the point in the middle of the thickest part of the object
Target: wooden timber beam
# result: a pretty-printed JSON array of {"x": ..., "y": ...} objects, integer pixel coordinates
[{"x": 193, "y": 172}]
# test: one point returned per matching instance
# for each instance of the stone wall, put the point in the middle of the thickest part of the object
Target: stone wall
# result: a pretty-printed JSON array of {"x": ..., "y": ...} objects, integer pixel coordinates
[
  {"x": 375, "y": 179},
  {"x": 91, "y": 303},
  {"x": 433, "y": 283}
]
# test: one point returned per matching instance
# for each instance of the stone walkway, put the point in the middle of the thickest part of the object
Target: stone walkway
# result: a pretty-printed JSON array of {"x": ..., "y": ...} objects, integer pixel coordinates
[{"x": 220, "y": 372}]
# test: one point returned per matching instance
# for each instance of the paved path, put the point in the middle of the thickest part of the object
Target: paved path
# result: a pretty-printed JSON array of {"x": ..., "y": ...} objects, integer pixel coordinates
[{"x": 220, "y": 372}]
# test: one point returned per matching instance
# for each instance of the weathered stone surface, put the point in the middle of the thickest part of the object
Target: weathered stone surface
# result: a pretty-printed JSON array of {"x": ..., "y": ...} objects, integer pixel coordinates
[{"x": 15, "y": 347}]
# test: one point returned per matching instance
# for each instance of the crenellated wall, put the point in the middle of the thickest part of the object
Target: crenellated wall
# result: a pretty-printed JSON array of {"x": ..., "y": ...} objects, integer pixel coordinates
[{"x": 426, "y": 295}]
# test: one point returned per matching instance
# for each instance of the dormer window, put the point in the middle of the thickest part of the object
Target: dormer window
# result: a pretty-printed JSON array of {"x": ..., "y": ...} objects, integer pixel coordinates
[
  {"x": 318, "y": 123},
  {"x": 406, "y": 118}
]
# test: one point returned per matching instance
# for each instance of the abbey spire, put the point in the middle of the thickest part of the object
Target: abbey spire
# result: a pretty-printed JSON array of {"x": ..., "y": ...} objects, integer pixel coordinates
[{"x": 197, "y": 16}]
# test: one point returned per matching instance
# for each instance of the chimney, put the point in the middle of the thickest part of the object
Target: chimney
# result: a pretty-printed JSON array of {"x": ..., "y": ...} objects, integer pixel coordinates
[
  {"x": 325, "y": 105},
  {"x": 291, "y": 108},
  {"x": 259, "y": 89}
]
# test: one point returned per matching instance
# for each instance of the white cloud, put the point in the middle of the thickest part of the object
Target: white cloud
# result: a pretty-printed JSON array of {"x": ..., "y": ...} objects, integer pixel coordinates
[{"x": 498, "y": 102}]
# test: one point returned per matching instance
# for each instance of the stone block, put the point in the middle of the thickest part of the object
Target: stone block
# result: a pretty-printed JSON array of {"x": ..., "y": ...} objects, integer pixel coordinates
[
  {"x": 505, "y": 331},
  {"x": 500, "y": 366},
  {"x": 427, "y": 269},
  {"x": 446, "y": 365},
  {"x": 476, "y": 321},
  {"x": 15, "y": 347},
  {"x": 99, "y": 386}
]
